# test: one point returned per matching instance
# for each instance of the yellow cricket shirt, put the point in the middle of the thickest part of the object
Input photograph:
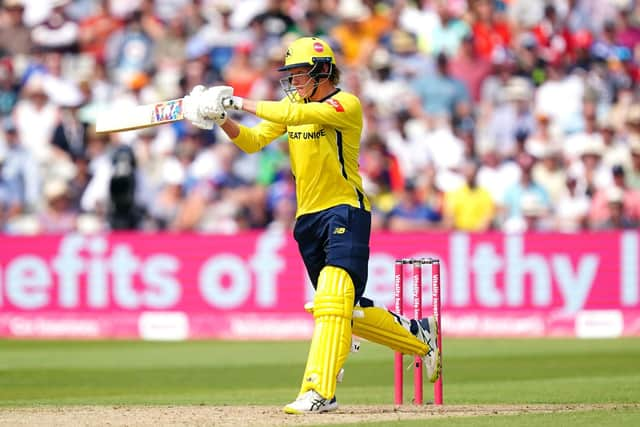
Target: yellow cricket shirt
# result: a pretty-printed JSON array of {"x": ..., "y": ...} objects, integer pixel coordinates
[
  {"x": 470, "y": 208},
  {"x": 324, "y": 145}
]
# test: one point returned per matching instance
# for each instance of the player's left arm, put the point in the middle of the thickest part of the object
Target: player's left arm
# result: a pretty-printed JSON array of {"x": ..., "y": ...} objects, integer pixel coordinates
[{"x": 339, "y": 112}]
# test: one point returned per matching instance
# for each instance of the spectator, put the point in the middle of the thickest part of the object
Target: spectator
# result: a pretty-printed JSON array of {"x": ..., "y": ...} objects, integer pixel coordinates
[
  {"x": 410, "y": 214},
  {"x": 632, "y": 120},
  {"x": 545, "y": 135},
  {"x": 429, "y": 190},
  {"x": 633, "y": 176},
  {"x": 70, "y": 134},
  {"x": 464, "y": 129},
  {"x": 445, "y": 149},
  {"x": 216, "y": 39},
  {"x": 240, "y": 72},
  {"x": 593, "y": 174},
  {"x": 580, "y": 44},
  {"x": 94, "y": 31},
  {"x": 469, "y": 67},
  {"x": 118, "y": 190},
  {"x": 170, "y": 50},
  {"x": 616, "y": 151},
  {"x": 280, "y": 195},
  {"x": 512, "y": 117},
  {"x": 549, "y": 171},
  {"x": 129, "y": 51},
  {"x": 440, "y": 94},
  {"x": 627, "y": 32},
  {"x": 552, "y": 36},
  {"x": 263, "y": 36},
  {"x": 449, "y": 29},
  {"x": 612, "y": 57},
  {"x": 379, "y": 175},
  {"x": 284, "y": 214},
  {"x": 58, "y": 216},
  {"x": 578, "y": 16},
  {"x": 124, "y": 211},
  {"x": 59, "y": 32},
  {"x": 494, "y": 85},
  {"x": 35, "y": 106},
  {"x": 10, "y": 205},
  {"x": 601, "y": 200},
  {"x": 150, "y": 158},
  {"x": 535, "y": 216},
  {"x": 15, "y": 37},
  {"x": 490, "y": 31},
  {"x": 529, "y": 63},
  {"x": 150, "y": 21},
  {"x": 407, "y": 62},
  {"x": 380, "y": 20},
  {"x": 616, "y": 217},
  {"x": 381, "y": 170},
  {"x": 586, "y": 128},
  {"x": 572, "y": 208},
  {"x": 314, "y": 22},
  {"x": 470, "y": 207},
  {"x": 218, "y": 201},
  {"x": 352, "y": 34},
  {"x": 495, "y": 175},
  {"x": 560, "y": 97},
  {"x": 80, "y": 181},
  {"x": 606, "y": 45},
  {"x": 9, "y": 88},
  {"x": 409, "y": 148},
  {"x": 526, "y": 193},
  {"x": 20, "y": 169},
  {"x": 169, "y": 198},
  {"x": 380, "y": 86},
  {"x": 275, "y": 20}
]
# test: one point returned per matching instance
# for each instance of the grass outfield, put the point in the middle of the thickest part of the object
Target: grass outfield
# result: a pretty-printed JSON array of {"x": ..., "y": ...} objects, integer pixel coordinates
[{"x": 268, "y": 373}]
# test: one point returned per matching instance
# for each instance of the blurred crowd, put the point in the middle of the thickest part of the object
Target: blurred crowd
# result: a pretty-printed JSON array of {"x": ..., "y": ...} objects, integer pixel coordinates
[{"x": 511, "y": 115}]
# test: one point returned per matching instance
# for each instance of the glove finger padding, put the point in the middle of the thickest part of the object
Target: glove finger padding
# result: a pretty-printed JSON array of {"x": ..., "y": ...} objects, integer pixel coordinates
[
  {"x": 197, "y": 90},
  {"x": 222, "y": 118},
  {"x": 234, "y": 102},
  {"x": 211, "y": 101},
  {"x": 190, "y": 111}
]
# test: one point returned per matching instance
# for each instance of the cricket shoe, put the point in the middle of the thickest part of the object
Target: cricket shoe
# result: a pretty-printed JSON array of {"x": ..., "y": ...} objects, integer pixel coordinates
[
  {"x": 428, "y": 333},
  {"x": 311, "y": 402}
]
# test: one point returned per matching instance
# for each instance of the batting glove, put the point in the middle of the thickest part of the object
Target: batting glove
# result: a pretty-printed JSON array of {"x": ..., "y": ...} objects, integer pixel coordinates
[
  {"x": 211, "y": 102},
  {"x": 191, "y": 112},
  {"x": 234, "y": 102}
]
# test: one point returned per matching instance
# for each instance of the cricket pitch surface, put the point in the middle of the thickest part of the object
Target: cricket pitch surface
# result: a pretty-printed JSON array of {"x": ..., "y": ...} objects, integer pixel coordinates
[{"x": 266, "y": 416}]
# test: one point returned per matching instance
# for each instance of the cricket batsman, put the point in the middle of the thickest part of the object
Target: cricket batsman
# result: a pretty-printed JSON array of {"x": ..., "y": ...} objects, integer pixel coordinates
[{"x": 333, "y": 218}]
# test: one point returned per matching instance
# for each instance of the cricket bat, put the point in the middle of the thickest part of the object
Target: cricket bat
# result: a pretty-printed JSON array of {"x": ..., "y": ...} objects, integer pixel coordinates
[{"x": 141, "y": 116}]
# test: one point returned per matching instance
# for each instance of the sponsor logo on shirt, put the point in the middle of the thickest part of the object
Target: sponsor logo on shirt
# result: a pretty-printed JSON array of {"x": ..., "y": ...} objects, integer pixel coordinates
[
  {"x": 308, "y": 135},
  {"x": 335, "y": 104}
]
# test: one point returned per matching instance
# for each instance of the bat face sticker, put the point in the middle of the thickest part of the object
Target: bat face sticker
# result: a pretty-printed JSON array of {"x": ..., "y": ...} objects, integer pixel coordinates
[{"x": 167, "y": 111}]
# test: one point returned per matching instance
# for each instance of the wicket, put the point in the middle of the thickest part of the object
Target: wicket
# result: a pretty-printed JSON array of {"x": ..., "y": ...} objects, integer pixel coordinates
[{"x": 417, "y": 264}]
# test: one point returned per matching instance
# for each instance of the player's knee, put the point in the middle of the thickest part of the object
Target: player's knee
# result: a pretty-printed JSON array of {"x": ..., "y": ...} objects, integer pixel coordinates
[{"x": 335, "y": 293}]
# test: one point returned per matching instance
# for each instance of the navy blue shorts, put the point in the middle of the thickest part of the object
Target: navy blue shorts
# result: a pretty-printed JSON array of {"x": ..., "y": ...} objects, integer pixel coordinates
[{"x": 338, "y": 236}]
